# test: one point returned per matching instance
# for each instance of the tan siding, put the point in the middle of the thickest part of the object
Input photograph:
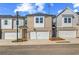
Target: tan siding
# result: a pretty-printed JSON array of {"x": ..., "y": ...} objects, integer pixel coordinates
[
  {"x": 47, "y": 25},
  {"x": 30, "y": 22}
]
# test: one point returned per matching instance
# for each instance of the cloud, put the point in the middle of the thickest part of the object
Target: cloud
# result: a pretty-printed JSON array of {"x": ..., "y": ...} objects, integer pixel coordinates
[
  {"x": 75, "y": 10},
  {"x": 31, "y": 8},
  {"x": 40, "y": 6},
  {"x": 75, "y": 5},
  {"x": 24, "y": 7},
  {"x": 59, "y": 11}
]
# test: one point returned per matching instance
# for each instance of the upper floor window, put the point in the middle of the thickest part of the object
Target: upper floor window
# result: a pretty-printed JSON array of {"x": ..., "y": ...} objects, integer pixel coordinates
[
  {"x": 39, "y": 19},
  {"x": 6, "y": 22},
  {"x": 67, "y": 20}
]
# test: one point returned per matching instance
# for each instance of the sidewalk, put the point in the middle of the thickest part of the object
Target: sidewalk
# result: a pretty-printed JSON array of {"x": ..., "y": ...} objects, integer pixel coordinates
[{"x": 39, "y": 42}]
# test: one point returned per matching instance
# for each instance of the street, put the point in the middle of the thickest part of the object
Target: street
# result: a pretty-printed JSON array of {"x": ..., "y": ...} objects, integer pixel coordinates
[{"x": 55, "y": 49}]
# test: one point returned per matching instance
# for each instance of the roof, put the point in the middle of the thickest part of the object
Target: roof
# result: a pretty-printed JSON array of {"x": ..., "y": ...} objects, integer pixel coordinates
[
  {"x": 40, "y": 14},
  {"x": 9, "y": 16},
  {"x": 64, "y": 10}
]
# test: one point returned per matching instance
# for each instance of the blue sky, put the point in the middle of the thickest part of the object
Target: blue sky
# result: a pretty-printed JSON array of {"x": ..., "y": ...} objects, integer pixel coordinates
[{"x": 29, "y": 8}]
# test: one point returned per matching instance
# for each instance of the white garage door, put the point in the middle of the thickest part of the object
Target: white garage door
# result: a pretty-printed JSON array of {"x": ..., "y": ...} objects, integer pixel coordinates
[
  {"x": 39, "y": 35},
  {"x": 12, "y": 35},
  {"x": 67, "y": 34}
]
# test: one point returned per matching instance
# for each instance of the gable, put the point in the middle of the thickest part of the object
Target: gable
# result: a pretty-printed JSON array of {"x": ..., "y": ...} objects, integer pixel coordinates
[{"x": 67, "y": 13}]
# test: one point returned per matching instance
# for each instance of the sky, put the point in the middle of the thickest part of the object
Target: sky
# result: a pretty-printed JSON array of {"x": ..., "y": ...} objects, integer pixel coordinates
[{"x": 30, "y": 8}]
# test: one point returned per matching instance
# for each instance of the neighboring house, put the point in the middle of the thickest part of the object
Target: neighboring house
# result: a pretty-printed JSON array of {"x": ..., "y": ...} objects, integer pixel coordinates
[
  {"x": 39, "y": 26},
  {"x": 8, "y": 26},
  {"x": 67, "y": 23}
]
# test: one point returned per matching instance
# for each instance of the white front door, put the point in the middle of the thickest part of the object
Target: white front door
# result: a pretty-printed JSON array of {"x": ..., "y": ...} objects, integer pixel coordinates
[{"x": 39, "y": 35}]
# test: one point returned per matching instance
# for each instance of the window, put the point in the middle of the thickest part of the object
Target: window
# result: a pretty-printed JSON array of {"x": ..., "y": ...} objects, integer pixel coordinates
[
  {"x": 39, "y": 19},
  {"x": 67, "y": 20},
  {"x": 5, "y": 22}
]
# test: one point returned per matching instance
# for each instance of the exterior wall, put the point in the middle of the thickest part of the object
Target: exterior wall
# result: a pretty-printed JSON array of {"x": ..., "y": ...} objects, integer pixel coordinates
[
  {"x": 8, "y": 26},
  {"x": 47, "y": 25},
  {"x": 11, "y": 26},
  {"x": 67, "y": 11},
  {"x": 10, "y": 31},
  {"x": 30, "y": 23},
  {"x": 21, "y": 23},
  {"x": 74, "y": 26}
]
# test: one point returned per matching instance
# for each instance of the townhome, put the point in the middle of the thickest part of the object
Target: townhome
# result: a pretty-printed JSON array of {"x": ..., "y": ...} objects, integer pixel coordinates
[
  {"x": 67, "y": 23},
  {"x": 8, "y": 26},
  {"x": 32, "y": 26},
  {"x": 39, "y": 26}
]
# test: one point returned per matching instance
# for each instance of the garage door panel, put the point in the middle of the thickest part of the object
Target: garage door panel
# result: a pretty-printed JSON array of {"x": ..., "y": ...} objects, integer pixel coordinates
[
  {"x": 43, "y": 35},
  {"x": 33, "y": 35},
  {"x": 67, "y": 34},
  {"x": 12, "y": 35},
  {"x": 39, "y": 35}
]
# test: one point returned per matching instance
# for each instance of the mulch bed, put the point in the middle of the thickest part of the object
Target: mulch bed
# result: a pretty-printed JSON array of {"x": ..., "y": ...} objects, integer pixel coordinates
[
  {"x": 19, "y": 40},
  {"x": 56, "y": 39}
]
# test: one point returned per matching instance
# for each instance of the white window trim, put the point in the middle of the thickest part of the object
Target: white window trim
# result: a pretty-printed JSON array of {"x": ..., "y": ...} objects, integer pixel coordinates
[
  {"x": 67, "y": 19},
  {"x": 41, "y": 24},
  {"x": 5, "y": 23},
  {"x": 67, "y": 24}
]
